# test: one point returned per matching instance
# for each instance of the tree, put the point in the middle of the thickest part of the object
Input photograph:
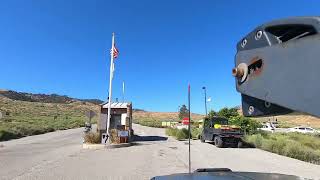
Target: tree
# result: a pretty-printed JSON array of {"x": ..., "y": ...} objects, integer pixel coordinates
[
  {"x": 228, "y": 112},
  {"x": 247, "y": 125},
  {"x": 211, "y": 114},
  {"x": 183, "y": 112}
]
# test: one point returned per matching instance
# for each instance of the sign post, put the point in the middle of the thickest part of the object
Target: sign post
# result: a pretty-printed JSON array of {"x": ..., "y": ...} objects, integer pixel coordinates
[{"x": 90, "y": 114}]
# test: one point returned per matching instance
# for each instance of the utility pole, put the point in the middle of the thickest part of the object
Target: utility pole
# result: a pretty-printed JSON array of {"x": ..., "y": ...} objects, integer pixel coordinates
[{"x": 205, "y": 99}]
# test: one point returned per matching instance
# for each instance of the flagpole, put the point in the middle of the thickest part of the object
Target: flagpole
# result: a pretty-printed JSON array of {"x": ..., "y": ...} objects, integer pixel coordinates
[
  {"x": 189, "y": 129},
  {"x": 110, "y": 87},
  {"x": 123, "y": 91}
]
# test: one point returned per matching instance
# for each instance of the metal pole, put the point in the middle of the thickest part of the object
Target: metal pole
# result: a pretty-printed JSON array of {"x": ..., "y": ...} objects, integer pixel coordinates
[
  {"x": 205, "y": 99},
  {"x": 123, "y": 91},
  {"x": 189, "y": 130},
  {"x": 110, "y": 87}
]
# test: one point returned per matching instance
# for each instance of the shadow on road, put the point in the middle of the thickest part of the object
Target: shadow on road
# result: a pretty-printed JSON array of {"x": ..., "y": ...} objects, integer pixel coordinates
[
  {"x": 245, "y": 145},
  {"x": 149, "y": 138}
]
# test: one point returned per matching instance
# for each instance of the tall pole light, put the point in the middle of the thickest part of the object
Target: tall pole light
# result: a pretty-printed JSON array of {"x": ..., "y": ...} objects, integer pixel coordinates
[
  {"x": 189, "y": 129},
  {"x": 205, "y": 99}
]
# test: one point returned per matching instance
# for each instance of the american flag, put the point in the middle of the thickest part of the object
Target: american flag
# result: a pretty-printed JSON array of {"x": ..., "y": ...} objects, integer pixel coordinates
[{"x": 114, "y": 51}]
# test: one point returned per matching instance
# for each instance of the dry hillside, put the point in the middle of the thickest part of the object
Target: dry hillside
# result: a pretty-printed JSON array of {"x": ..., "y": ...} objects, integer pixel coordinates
[
  {"x": 23, "y": 118},
  {"x": 162, "y": 116},
  {"x": 291, "y": 119},
  {"x": 294, "y": 119},
  {"x": 154, "y": 119}
]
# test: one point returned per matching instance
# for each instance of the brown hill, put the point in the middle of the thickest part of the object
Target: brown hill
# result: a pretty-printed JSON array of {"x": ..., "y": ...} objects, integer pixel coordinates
[
  {"x": 293, "y": 119},
  {"x": 162, "y": 116}
]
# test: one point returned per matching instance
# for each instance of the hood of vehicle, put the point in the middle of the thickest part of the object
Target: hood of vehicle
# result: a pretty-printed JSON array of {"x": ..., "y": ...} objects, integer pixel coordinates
[{"x": 227, "y": 176}]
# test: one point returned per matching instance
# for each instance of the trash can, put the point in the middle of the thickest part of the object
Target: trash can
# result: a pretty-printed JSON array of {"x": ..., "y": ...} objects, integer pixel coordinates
[{"x": 104, "y": 138}]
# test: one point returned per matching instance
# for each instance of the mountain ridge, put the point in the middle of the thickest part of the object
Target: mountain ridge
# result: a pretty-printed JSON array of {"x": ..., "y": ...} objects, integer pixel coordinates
[{"x": 44, "y": 98}]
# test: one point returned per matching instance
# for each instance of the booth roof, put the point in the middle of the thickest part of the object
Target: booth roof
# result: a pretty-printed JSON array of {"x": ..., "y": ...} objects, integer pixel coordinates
[{"x": 115, "y": 105}]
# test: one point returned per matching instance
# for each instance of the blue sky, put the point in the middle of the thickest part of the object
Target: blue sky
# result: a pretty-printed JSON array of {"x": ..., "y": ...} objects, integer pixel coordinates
[{"x": 60, "y": 46}]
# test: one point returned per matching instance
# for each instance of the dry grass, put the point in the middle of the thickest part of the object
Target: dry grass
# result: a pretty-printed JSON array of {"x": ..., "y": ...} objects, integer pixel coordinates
[{"x": 92, "y": 138}]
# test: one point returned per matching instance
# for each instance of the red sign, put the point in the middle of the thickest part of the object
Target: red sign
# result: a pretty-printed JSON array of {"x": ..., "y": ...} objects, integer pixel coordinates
[{"x": 185, "y": 121}]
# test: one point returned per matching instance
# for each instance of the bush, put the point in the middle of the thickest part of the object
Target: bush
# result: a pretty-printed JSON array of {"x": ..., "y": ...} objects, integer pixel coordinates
[
  {"x": 92, "y": 138},
  {"x": 195, "y": 133},
  {"x": 255, "y": 139},
  {"x": 6, "y": 135},
  {"x": 179, "y": 134},
  {"x": 182, "y": 134},
  {"x": 298, "y": 151},
  {"x": 299, "y": 146},
  {"x": 247, "y": 125},
  {"x": 171, "y": 131}
]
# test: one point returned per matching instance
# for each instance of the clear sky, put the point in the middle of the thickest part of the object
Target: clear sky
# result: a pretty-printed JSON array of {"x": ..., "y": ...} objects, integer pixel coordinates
[{"x": 61, "y": 46}]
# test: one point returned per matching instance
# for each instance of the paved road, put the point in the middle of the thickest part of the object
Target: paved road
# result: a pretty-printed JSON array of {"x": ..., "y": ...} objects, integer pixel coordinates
[{"x": 58, "y": 155}]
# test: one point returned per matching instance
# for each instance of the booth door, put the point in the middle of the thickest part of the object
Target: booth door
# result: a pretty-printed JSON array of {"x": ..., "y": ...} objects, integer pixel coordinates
[{"x": 115, "y": 122}]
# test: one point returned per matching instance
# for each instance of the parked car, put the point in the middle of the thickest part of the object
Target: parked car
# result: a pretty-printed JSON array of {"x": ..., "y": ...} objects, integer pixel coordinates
[
  {"x": 301, "y": 129},
  {"x": 268, "y": 127}
]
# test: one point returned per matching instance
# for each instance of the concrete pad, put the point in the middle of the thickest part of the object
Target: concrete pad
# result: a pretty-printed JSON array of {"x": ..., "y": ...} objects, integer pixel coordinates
[{"x": 93, "y": 146}]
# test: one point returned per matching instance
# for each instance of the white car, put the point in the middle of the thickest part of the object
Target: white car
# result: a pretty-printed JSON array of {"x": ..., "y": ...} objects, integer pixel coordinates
[
  {"x": 268, "y": 127},
  {"x": 303, "y": 130}
]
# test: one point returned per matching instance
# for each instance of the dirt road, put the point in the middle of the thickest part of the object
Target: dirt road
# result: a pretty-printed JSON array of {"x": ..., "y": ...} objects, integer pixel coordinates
[{"x": 59, "y": 155}]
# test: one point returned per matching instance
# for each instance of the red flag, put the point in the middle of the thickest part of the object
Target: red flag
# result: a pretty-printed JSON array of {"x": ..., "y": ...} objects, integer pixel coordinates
[{"x": 114, "y": 51}]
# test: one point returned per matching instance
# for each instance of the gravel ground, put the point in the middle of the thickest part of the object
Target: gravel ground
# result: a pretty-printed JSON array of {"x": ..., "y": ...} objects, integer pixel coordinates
[{"x": 58, "y": 155}]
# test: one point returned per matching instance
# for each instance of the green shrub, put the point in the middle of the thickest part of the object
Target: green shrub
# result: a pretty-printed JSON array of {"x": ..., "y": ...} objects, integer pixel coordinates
[
  {"x": 179, "y": 134},
  {"x": 247, "y": 125},
  {"x": 182, "y": 134},
  {"x": 275, "y": 146},
  {"x": 195, "y": 133},
  {"x": 309, "y": 140},
  {"x": 298, "y": 151},
  {"x": 295, "y": 145},
  {"x": 92, "y": 138},
  {"x": 6, "y": 135},
  {"x": 255, "y": 139},
  {"x": 171, "y": 131}
]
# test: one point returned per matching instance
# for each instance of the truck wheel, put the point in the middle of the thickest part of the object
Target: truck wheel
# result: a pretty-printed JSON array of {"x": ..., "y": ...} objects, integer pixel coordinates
[
  {"x": 202, "y": 139},
  {"x": 240, "y": 144},
  {"x": 218, "y": 142}
]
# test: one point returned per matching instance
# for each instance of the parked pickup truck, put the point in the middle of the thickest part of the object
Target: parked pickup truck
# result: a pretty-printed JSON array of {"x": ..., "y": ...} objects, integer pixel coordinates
[{"x": 217, "y": 130}]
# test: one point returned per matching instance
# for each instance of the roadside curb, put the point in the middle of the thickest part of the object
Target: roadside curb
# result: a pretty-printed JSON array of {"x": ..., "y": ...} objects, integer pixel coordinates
[
  {"x": 113, "y": 146},
  {"x": 105, "y": 146},
  {"x": 93, "y": 146}
]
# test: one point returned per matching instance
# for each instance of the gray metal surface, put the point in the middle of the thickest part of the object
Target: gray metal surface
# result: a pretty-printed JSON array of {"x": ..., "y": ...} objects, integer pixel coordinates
[
  {"x": 227, "y": 176},
  {"x": 290, "y": 70},
  {"x": 268, "y": 39}
]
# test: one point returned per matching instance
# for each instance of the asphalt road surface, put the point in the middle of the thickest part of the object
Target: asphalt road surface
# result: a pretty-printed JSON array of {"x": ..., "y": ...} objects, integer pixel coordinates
[{"x": 59, "y": 155}]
